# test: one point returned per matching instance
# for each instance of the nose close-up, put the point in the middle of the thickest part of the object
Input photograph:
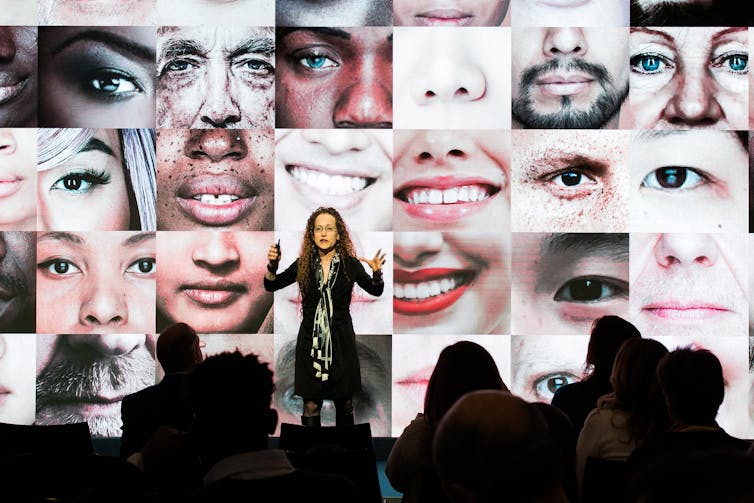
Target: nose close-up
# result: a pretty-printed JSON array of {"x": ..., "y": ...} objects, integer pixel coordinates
[
  {"x": 365, "y": 104},
  {"x": 445, "y": 83},
  {"x": 693, "y": 102}
]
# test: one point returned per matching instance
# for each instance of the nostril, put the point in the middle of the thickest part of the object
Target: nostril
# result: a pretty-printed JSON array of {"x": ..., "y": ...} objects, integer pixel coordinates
[
  {"x": 461, "y": 91},
  {"x": 429, "y": 94},
  {"x": 424, "y": 156},
  {"x": 456, "y": 153}
]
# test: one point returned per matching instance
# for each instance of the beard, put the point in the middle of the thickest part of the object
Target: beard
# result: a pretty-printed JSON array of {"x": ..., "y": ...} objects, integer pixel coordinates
[
  {"x": 684, "y": 13},
  {"x": 66, "y": 386},
  {"x": 604, "y": 108}
]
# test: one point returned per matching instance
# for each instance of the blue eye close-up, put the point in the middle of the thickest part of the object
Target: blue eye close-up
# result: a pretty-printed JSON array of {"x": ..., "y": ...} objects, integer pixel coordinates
[
  {"x": 547, "y": 385},
  {"x": 738, "y": 62},
  {"x": 673, "y": 178},
  {"x": 650, "y": 64}
]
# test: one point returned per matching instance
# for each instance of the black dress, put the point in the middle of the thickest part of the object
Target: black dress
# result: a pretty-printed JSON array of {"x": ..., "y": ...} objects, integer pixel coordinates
[{"x": 345, "y": 373}]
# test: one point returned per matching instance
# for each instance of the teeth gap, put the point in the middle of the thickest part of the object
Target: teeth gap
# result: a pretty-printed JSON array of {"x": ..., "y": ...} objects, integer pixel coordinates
[
  {"x": 427, "y": 289},
  {"x": 331, "y": 185},
  {"x": 218, "y": 199}
]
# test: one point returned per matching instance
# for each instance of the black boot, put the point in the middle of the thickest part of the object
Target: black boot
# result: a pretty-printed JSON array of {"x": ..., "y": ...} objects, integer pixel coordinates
[{"x": 313, "y": 421}]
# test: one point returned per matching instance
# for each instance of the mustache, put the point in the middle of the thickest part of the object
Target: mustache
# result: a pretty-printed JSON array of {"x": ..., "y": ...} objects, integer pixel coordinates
[
  {"x": 532, "y": 74},
  {"x": 77, "y": 378}
]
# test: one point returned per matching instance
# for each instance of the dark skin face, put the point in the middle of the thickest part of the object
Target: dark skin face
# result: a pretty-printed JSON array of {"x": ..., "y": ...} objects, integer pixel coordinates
[
  {"x": 334, "y": 77},
  {"x": 215, "y": 178},
  {"x": 17, "y": 280},
  {"x": 18, "y": 76}
]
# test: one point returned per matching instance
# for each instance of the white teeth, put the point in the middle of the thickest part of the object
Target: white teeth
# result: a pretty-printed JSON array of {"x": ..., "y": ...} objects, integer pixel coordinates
[
  {"x": 217, "y": 199},
  {"x": 463, "y": 194},
  {"x": 423, "y": 290},
  {"x": 332, "y": 185}
]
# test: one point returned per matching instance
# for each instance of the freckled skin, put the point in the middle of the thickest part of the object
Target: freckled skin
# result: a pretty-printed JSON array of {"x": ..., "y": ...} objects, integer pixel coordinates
[{"x": 598, "y": 203}]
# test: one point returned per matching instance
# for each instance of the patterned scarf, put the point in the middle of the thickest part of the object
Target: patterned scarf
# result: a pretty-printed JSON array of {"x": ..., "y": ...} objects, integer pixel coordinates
[{"x": 321, "y": 339}]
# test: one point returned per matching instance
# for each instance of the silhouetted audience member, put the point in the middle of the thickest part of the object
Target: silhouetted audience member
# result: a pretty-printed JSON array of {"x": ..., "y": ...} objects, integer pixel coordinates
[
  {"x": 692, "y": 383},
  {"x": 564, "y": 437},
  {"x": 164, "y": 404},
  {"x": 492, "y": 446},
  {"x": 578, "y": 399},
  {"x": 462, "y": 367},
  {"x": 231, "y": 395},
  {"x": 624, "y": 418}
]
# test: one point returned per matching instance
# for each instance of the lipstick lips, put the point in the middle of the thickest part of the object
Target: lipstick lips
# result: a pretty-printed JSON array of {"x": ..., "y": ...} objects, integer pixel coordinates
[
  {"x": 429, "y": 290},
  {"x": 446, "y": 198},
  {"x": 688, "y": 311},
  {"x": 565, "y": 85},
  {"x": 214, "y": 294},
  {"x": 216, "y": 199},
  {"x": 444, "y": 17}
]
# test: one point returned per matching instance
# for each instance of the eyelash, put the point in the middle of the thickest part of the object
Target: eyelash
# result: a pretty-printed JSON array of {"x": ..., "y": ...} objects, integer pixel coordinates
[
  {"x": 719, "y": 61},
  {"x": 107, "y": 76},
  {"x": 546, "y": 394},
  {"x": 697, "y": 178},
  {"x": 89, "y": 176},
  {"x": 637, "y": 60},
  {"x": 49, "y": 266},
  {"x": 149, "y": 262},
  {"x": 303, "y": 58},
  {"x": 608, "y": 288},
  {"x": 264, "y": 68}
]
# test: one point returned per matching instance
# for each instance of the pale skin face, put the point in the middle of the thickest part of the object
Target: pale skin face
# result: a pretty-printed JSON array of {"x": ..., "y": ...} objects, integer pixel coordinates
[
  {"x": 569, "y": 13},
  {"x": 562, "y": 282},
  {"x": 346, "y": 169},
  {"x": 211, "y": 77},
  {"x": 690, "y": 181},
  {"x": 452, "y": 282},
  {"x": 574, "y": 181},
  {"x": 443, "y": 80},
  {"x": 220, "y": 12},
  {"x": 568, "y": 78},
  {"x": 689, "y": 284},
  {"x": 88, "y": 191},
  {"x": 17, "y": 378},
  {"x": 215, "y": 178},
  {"x": 97, "y": 77},
  {"x": 453, "y": 13},
  {"x": 18, "y": 178},
  {"x": 448, "y": 180},
  {"x": 97, "y": 12},
  {"x": 95, "y": 282},
  {"x": 18, "y": 12},
  {"x": 215, "y": 281},
  {"x": 689, "y": 77}
]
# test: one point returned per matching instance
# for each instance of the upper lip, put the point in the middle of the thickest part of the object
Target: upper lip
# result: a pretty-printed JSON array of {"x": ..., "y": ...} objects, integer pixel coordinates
[
  {"x": 216, "y": 284},
  {"x": 569, "y": 78},
  {"x": 426, "y": 274},
  {"x": 444, "y": 14},
  {"x": 685, "y": 305}
]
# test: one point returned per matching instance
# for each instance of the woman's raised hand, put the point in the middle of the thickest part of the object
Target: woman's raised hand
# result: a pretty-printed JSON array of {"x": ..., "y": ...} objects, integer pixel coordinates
[{"x": 377, "y": 262}]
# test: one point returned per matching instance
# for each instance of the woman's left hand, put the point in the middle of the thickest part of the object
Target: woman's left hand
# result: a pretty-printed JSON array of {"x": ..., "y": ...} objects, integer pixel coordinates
[{"x": 377, "y": 262}]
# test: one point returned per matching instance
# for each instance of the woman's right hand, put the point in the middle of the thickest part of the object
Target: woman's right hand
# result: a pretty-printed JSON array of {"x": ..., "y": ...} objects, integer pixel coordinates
[{"x": 273, "y": 256}]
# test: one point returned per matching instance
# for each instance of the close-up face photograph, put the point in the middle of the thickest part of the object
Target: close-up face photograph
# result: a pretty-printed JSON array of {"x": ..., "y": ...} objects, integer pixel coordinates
[
  {"x": 689, "y": 284},
  {"x": 449, "y": 13},
  {"x": 215, "y": 77},
  {"x": 215, "y": 12},
  {"x": 18, "y": 179},
  {"x": 85, "y": 377},
  {"x": 18, "y": 76},
  {"x": 95, "y": 282},
  {"x": 17, "y": 378},
  {"x": 451, "y": 180},
  {"x": 683, "y": 78},
  {"x": 217, "y": 179},
  {"x": 333, "y": 13},
  {"x": 569, "y": 13},
  {"x": 215, "y": 281},
  {"x": 18, "y": 12},
  {"x": 574, "y": 181},
  {"x": 96, "y": 179},
  {"x": 17, "y": 281},
  {"x": 689, "y": 13},
  {"x": 346, "y": 169},
  {"x": 451, "y": 282},
  {"x": 562, "y": 282},
  {"x": 97, "y": 77},
  {"x": 97, "y": 12},
  {"x": 446, "y": 78},
  {"x": 370, "y": 314},
  {"x": 568, "y": 78},
  {"x": 689, "y": 181},
  {"x": 334, "y": 78},
  {"x": 370, "y": 405},
  {"x": 540, "y": 365}
]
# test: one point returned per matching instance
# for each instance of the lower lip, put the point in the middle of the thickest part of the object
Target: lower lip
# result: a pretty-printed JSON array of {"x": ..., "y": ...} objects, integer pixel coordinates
[
  {"x": 429, "y": 305},
  {"x": 9, "y": 187},
  {"x": 565, "y": 88},
  {"x": 686, "y": 314},
  {"x": 216, "y": 214},
  {"x": 212, "y": 298},
  {"x": 8, "y": 92},
  {"x": 443, "y": 21},
  {"x": 445, "y": 212}
]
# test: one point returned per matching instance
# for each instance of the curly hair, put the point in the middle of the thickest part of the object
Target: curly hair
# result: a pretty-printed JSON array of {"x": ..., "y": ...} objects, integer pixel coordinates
[{"x": 344, "y": 246}]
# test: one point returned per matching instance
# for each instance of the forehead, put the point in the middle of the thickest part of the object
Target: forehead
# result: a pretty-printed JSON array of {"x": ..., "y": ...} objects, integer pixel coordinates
[
  {"x": 324, "y": 219},
  {"x": 689, "y": 37},
  {"x": 210, "y": 37}
]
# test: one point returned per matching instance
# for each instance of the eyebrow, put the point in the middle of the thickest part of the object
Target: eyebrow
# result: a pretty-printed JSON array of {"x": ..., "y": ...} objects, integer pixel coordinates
[
  {"x": 720, "y": 34},
  {"x": 613, "y": 246},
  {"x": 181, "y": 47},
  {"x": 139, "y": 238},
  {"x": 111, "y": 39},
  {"x": 650, "y": 31},
  {"x": 331, "y": 32},
  {"x": 95, "y": 144},
  {"x": 62, "y": 236},
  {"x": 254, "y": 45}
]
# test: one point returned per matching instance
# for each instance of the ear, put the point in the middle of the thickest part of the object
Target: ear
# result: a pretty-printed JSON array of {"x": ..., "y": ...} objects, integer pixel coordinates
[{"x": 272, "y": 421}]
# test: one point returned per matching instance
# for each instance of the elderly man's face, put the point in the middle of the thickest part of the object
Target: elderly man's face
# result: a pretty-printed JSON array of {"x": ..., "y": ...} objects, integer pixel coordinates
[
  {"x": 689, "y": 284},
  {"x": 335, "y": 77},
  {"x": 213, "y": 77},
  {"x": 568, "y": 77},
  {"x": 215, "y": 178},
  {"x": 85, "y": 377},
  {"x": 689, "y": 77},
  {"x": 17, "y": 280}
]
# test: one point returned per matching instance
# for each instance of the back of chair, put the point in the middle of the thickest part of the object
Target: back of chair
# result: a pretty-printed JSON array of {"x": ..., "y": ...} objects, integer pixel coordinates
[
  {"x": 66, "y": 439},
  {"x": 603, "y": 480}
]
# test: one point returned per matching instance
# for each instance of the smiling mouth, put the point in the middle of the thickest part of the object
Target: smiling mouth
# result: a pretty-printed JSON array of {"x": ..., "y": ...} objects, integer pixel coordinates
[
  {"x": 216, "y": 200},
  {"x": 455, "y": 195},
  {"x": 329, "y": 184},
  {"x": 429, "y": 290},
  {"x": 445, "y": 199}
]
